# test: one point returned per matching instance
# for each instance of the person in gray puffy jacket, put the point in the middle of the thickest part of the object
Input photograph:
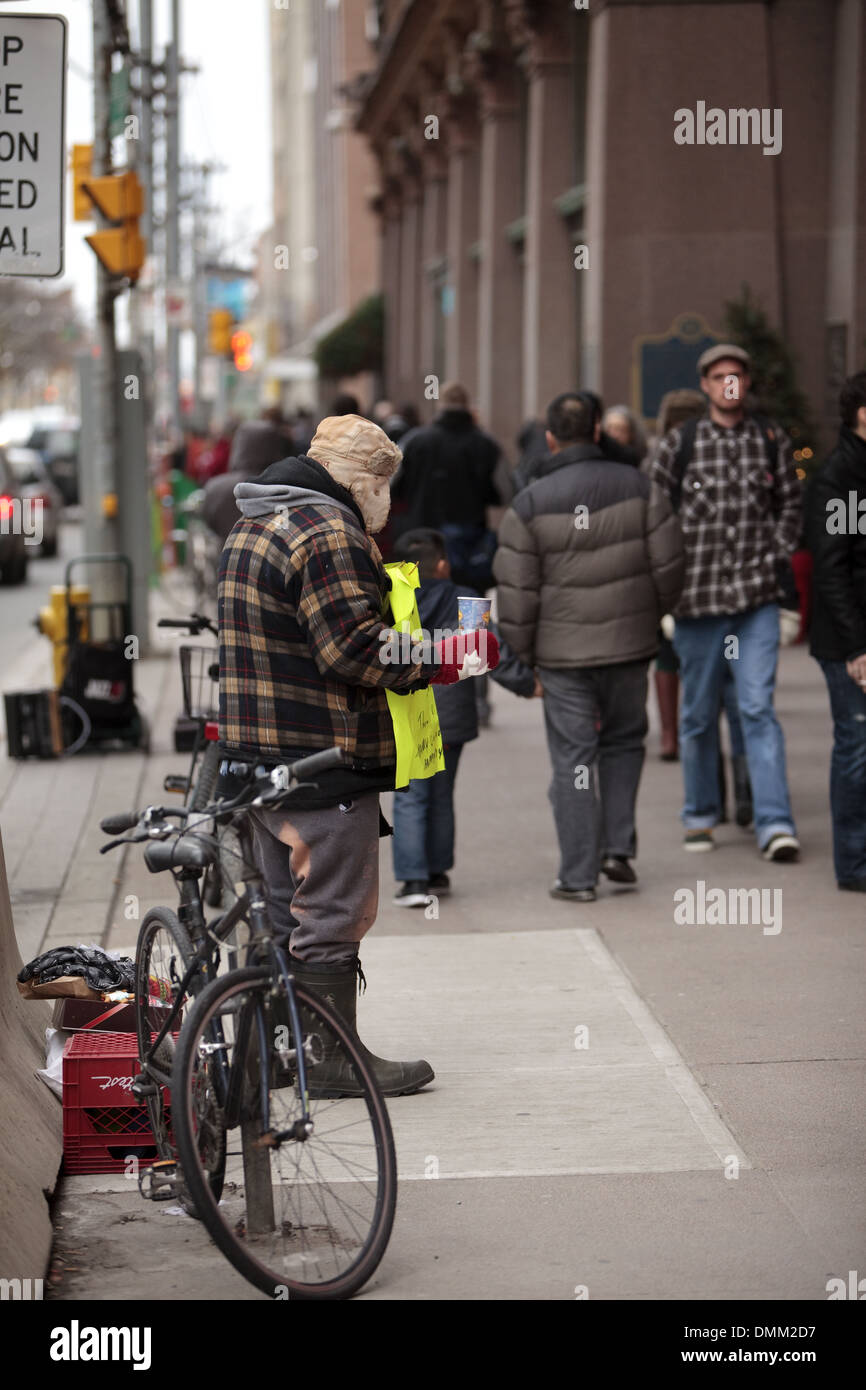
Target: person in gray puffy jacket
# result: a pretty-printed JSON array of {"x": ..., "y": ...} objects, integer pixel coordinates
[{"x": 590, "y": 556}]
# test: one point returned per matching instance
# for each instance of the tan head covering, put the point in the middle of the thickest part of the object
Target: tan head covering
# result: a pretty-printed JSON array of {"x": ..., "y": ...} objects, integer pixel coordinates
[
  {"x": 360, "y": 457},
  {"x": 351, "y": 447}
]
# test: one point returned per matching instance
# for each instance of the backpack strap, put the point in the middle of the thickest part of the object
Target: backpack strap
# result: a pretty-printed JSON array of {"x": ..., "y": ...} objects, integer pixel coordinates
[
  {"x": 688, "y": 433},
  {"x": 770, "y": 439}
]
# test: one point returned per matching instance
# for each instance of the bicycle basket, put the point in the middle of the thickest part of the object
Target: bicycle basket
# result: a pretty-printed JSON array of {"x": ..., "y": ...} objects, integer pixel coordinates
[{"x": 199, "y": 670}]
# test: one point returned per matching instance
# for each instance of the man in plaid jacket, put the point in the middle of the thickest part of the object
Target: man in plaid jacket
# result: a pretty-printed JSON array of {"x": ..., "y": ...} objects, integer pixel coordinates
[
  {"x": 740, "y": 513},
  {"x": 302, "y": 592}
]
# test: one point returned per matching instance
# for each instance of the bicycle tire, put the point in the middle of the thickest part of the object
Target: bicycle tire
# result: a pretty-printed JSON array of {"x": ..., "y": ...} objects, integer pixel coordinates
[
  {"x": 205, "y": 782},
  {"x": 162, "y": 919},
  {"x": 229, "y": 1233}
]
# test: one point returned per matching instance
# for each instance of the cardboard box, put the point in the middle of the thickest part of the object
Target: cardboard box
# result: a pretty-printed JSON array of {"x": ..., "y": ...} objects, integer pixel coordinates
[
  {"x": 82, "y": 1015},
  {"x": 64, "y": 987}
]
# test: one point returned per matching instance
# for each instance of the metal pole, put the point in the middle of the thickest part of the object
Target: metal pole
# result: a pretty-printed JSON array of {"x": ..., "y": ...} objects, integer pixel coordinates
[
  {"x": 200, "y": 258},
  {"x": 172, "y": 208},
  {"x": 145, "y": 45},
  {"x": 100, "y": 526}
]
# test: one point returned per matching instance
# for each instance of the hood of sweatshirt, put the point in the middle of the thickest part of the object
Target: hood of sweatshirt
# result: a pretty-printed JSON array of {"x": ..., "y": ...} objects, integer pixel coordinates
[{"x": 293, "y": 482}]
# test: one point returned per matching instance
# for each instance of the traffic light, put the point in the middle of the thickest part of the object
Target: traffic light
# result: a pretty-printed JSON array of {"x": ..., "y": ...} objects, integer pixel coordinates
[
  {"x": 219, "y": 331},
  {"x": 120, "y": 198},
  {"x": 82, "y": 166},
  {"x": 241, "y": 344}
]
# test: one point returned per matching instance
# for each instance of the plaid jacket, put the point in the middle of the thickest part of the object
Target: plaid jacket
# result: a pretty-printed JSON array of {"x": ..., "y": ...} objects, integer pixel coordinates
[
  {"x": 740, "y": 523},
  {"x": 301, "y": 594}
]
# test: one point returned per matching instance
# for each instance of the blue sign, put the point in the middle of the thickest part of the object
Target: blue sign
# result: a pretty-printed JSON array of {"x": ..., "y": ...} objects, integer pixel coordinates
[
  {"x": 228, "y": 294},
  {"x": 669, "y": 361}
]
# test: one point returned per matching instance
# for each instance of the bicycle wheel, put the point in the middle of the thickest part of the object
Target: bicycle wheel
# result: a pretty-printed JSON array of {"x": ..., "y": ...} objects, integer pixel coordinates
[
  {"x": 303, "y": 1215},
  {"x": 206, "y": 780},
  {"x": 163, "y": 955}
]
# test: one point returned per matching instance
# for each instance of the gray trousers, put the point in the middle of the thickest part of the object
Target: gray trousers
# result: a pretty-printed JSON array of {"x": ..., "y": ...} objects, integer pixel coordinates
[
  {"x": 596, "y": 723},
  {"x": 321, "y": 875}
]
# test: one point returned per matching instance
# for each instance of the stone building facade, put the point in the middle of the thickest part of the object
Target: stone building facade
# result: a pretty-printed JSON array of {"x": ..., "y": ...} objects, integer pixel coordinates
[
  {"x": 321, "y": 255},
  {"x": 545, "y": 221}
]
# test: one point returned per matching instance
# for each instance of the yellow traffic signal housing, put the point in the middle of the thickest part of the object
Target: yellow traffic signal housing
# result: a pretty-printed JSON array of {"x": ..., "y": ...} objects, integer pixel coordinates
[
  {"x": 221, "y": 322},
  {"x": 120, "y": 198},
  {"x": 82, "y": 166}
]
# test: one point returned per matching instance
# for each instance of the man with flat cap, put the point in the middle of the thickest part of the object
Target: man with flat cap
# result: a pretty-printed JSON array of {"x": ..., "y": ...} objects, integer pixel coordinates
[{"x": 730, "y": 475}]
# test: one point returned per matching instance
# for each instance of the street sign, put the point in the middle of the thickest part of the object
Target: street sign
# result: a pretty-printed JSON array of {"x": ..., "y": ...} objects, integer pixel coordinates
[
  {"x": 178, "y": 304},
  {"x": 32, "y": 143},
  {"x": 118, "y": 102}
]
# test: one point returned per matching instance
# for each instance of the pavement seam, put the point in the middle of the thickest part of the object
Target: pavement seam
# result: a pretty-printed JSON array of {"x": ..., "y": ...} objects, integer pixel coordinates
[{"x": 691, "y": 1091}]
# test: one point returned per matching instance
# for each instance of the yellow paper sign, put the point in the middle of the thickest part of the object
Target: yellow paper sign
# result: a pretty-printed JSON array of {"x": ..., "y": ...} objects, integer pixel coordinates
[{"x": 416, "y": 722}]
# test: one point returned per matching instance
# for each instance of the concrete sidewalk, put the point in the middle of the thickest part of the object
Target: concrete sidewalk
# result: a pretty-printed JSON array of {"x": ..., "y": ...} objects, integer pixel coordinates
[{"x": 623, "y": 1104}]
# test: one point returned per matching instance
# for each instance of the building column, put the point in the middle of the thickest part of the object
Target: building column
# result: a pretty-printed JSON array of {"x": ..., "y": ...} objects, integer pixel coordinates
[
  {"x": 431, "y": 270},
  {"x": 390, "y": 280},
  {"x": 550, "y": 334},
  {"x": 461, "y": 332},
  {"x": 408, "y": 379},
  {"x": 500, "y": 289}
]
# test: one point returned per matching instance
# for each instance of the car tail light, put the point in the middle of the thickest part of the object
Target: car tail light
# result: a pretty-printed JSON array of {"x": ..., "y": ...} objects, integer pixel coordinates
[{"x": 7, "y": 506}]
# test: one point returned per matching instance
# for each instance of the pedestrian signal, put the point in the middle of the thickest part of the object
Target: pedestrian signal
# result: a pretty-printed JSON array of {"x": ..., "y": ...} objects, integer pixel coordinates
[
  {"x": 120, "y": 199},
  {"x": 241, "y": 344},
  {"x": 219, "y": 331}
]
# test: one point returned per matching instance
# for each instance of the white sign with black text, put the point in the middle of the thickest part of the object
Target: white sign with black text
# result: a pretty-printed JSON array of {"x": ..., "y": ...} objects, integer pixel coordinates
[{"x": 32, "y": 143}]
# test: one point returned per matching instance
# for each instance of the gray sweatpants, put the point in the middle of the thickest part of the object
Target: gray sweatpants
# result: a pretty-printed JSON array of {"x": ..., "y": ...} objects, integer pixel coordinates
[
  {"x": 596, "y": 723},
  {"x": 321, "y": 874}
]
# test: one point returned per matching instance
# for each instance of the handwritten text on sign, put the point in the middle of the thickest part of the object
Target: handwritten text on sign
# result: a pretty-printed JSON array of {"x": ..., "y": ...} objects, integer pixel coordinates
[{"x": 32, "y": 148}]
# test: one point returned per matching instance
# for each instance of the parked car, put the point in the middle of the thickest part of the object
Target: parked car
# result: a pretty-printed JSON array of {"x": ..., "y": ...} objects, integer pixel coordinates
[
  {"x": 57, "y": 443},
  {"x": 13, "y": 550},
  {"x": 35, "y": 483}
]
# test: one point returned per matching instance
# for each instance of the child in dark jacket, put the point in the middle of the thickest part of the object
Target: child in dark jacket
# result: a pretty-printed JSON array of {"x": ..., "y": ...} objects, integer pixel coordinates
[{"x": 424, "y": 811}]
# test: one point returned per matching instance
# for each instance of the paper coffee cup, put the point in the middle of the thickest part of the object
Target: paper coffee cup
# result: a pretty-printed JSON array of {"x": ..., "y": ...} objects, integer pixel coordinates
[{"x": 472, "y": 613}]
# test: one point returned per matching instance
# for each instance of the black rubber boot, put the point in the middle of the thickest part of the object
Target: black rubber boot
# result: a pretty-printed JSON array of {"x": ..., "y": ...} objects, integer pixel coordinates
[
  {"x": 744, "y": 812},
  {"x": 338, "y": 986}
]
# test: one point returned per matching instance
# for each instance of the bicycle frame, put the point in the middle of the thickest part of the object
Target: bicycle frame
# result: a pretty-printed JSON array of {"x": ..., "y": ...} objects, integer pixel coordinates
[{"x": 251, "y": 907}]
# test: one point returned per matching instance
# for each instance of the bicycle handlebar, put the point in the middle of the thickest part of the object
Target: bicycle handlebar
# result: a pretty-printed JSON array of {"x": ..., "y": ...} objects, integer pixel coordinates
[
  {"x": 118, "y": 825},
  {"x": 194, "y": 624},
  {"x": 283, "y": 780}
]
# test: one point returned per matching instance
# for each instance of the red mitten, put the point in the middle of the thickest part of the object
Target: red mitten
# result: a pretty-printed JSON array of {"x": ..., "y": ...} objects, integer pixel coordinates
[{"x": 465, "y": 654}]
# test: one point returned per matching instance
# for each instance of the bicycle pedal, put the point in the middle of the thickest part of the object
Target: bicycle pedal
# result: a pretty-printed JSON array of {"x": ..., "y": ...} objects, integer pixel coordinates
[
  {"x": 175, "y": 783},
  {"x": 160, "y": 1182},
  {"x": 142, "y": 1087}
]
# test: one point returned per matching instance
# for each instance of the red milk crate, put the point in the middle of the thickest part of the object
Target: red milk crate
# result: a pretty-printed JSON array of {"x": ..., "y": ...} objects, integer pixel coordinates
[{"x": 103, "y": 1123}]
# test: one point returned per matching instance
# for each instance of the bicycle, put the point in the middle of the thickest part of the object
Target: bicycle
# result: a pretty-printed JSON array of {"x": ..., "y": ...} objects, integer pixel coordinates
[
  {"x": 199, "y": 667},
  {"x": 309, "y": 1196},
  {"x": 200, "y": 677}
]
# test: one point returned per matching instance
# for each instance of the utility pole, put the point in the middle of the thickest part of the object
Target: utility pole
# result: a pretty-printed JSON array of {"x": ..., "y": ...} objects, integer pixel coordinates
[
  {"x": 172, "y": 205},
  {"x": 100, "y": 510},
  {"x": 145, "y": 46},
  {"x": 140, "y": 323},
  {"x": 201, "y": 210}
]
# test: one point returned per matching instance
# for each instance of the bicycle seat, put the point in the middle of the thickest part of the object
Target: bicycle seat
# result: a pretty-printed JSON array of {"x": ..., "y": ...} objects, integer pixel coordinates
[{"x": 188, "y": 852}]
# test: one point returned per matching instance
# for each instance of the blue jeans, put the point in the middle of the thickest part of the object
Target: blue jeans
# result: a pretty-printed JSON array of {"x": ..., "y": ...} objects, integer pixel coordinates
[
  {"x": 847, "y": 772},
  {"x": 701, "y": 644},
  {"x": 732, "y": 714},
  {"x": 424, "y": 823}
]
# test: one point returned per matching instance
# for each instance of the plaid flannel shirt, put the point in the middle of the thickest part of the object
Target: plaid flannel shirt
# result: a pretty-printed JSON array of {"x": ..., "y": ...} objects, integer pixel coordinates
[
  {"x": 301, "y": 596},
  {"x": 740, "y": 522}
]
